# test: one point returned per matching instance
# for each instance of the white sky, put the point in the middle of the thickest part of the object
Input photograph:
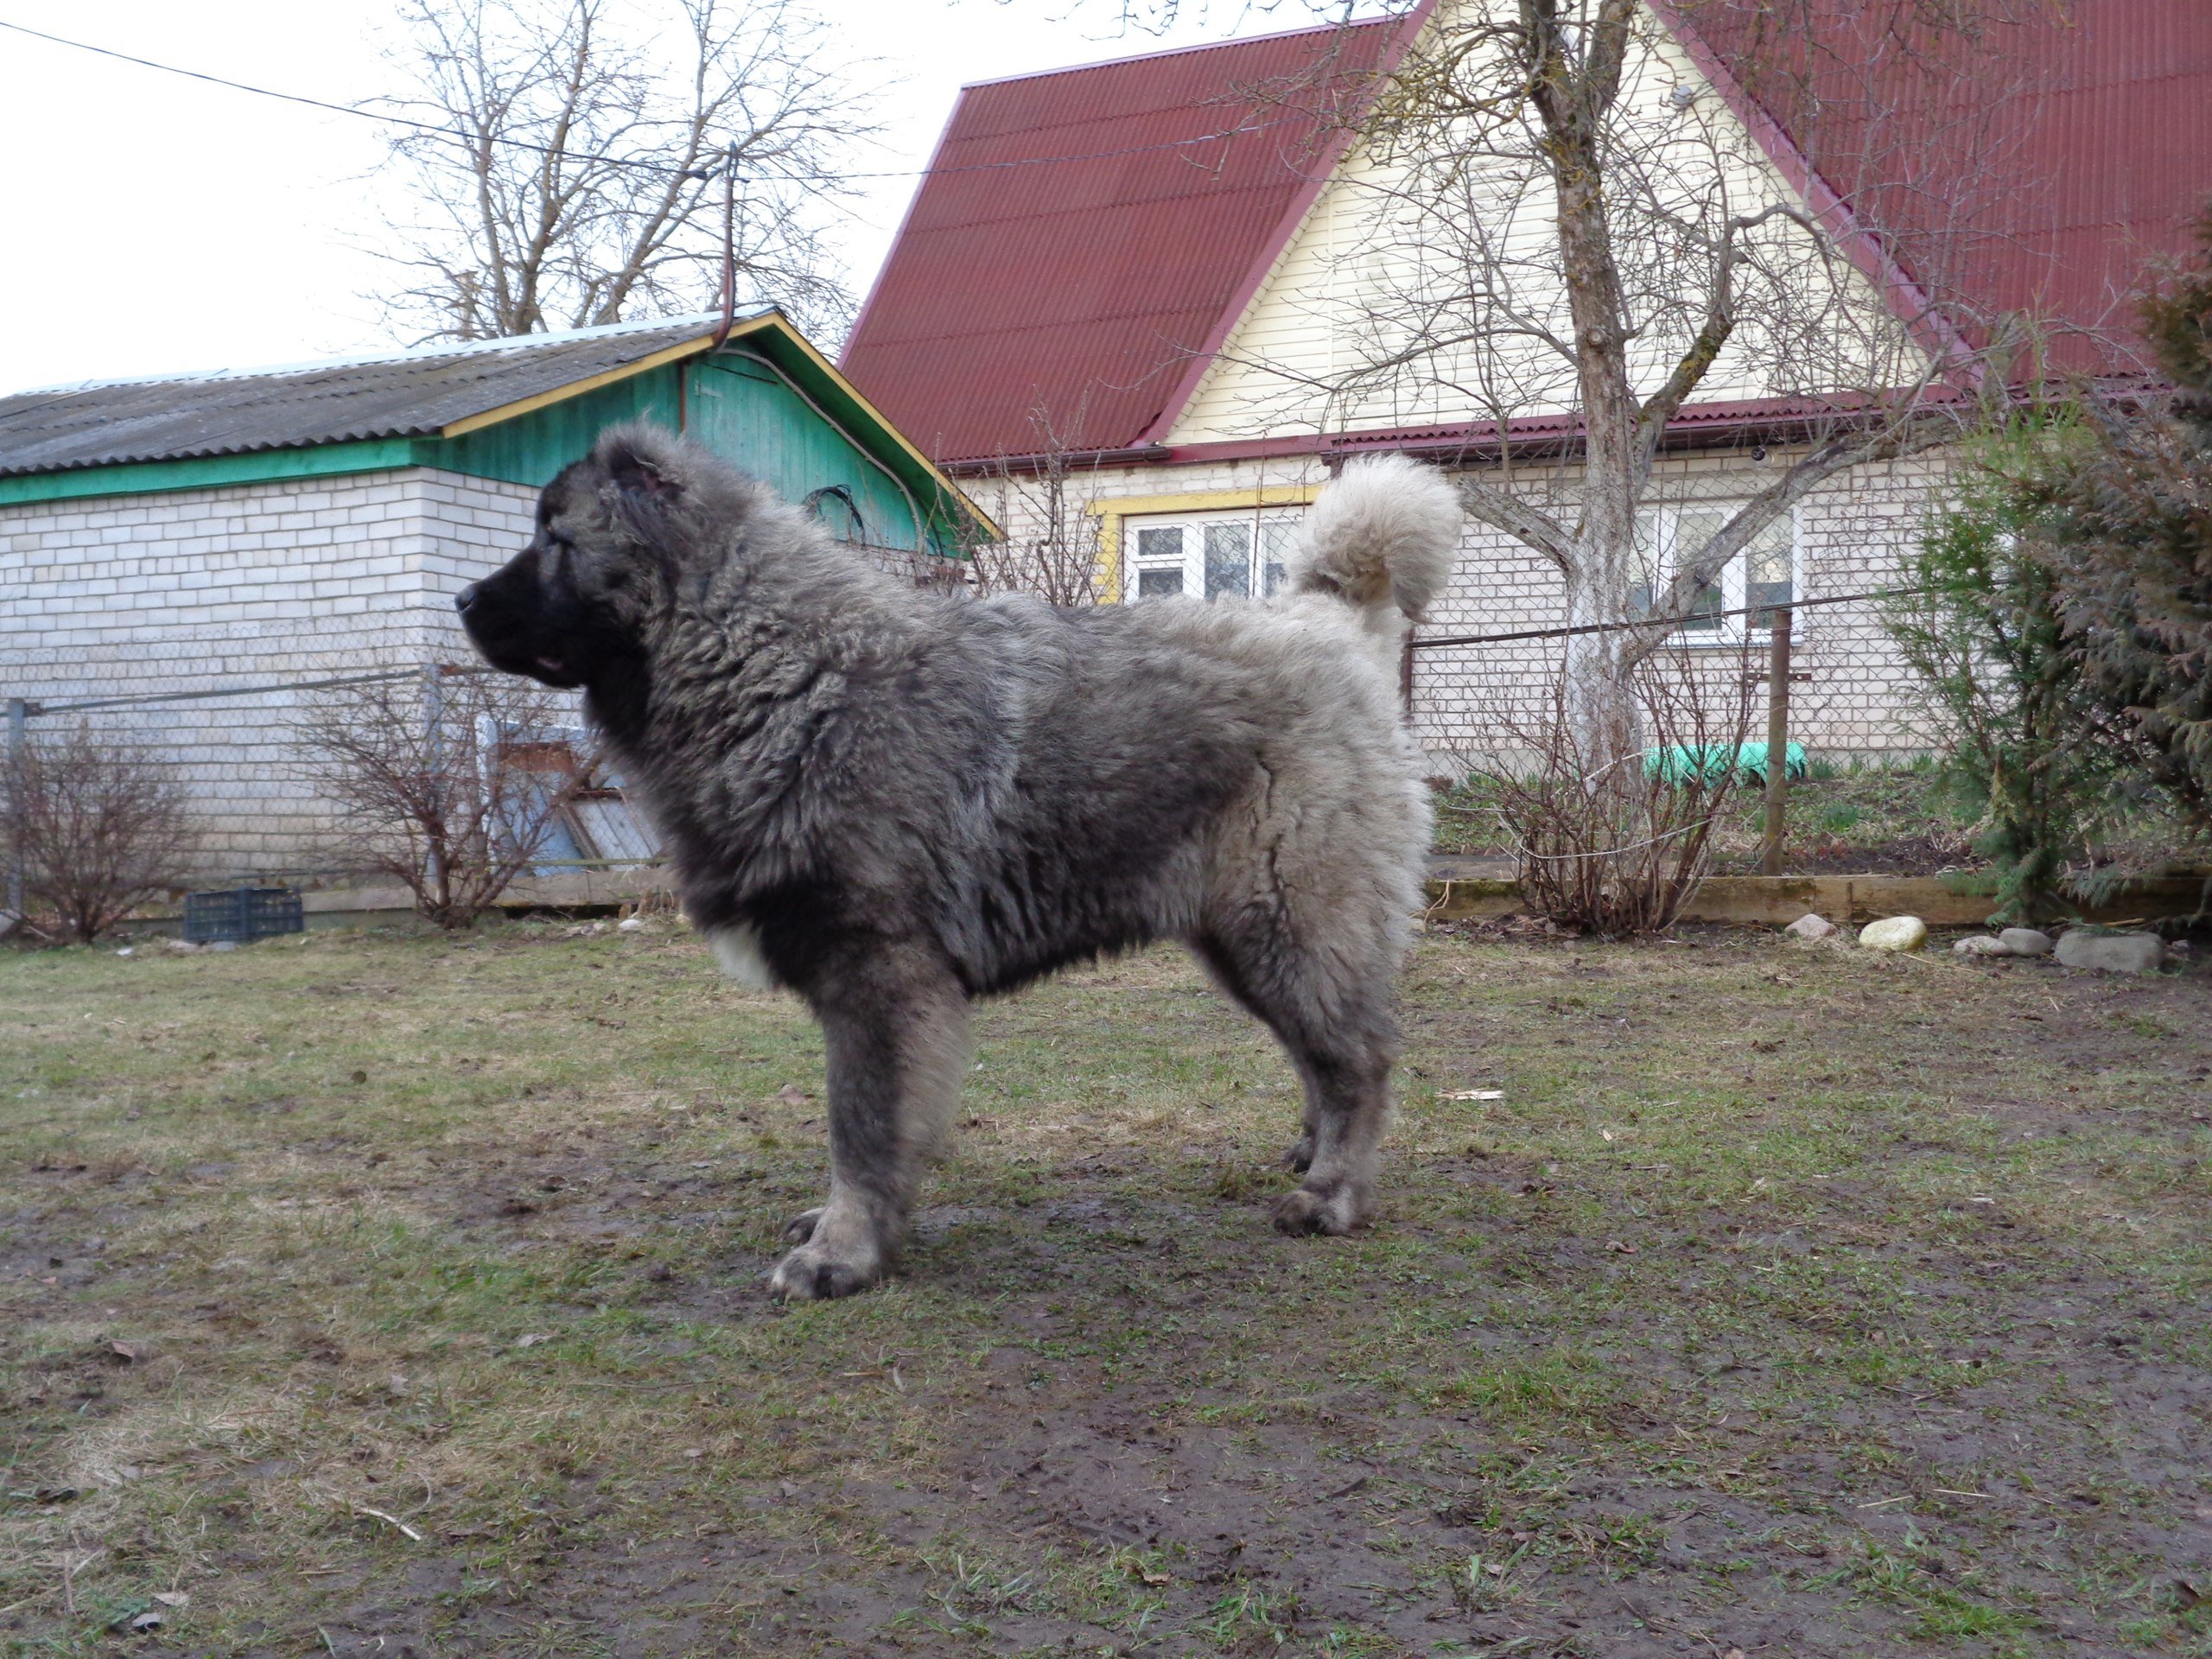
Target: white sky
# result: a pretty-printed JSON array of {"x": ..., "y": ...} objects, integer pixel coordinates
[{"x": 154, "y": 224}]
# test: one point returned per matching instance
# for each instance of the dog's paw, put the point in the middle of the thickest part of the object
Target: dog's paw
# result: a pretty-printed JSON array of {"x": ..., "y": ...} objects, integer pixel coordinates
[
  {"x": 800, "y": 1227},
  {"x": 812, "y": 1274},
  {"x": 1308, "y": 1212},
  {"x": 1300, "y": 1158}
]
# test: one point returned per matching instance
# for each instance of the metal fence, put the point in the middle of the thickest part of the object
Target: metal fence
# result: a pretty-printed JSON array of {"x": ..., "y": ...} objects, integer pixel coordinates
[
  {"x": 236, "y": 753},
  {"x": 233, "y": 748}
]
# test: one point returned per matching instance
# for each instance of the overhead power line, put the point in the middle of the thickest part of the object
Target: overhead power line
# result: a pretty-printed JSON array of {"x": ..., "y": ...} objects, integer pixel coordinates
[{"x": 432, "y": 130}]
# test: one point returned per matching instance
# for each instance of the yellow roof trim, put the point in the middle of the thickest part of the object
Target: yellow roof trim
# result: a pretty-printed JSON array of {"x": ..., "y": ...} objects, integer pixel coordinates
[
  {"x": 767, "y": 320},
  {"x": 591, "y": 383}
]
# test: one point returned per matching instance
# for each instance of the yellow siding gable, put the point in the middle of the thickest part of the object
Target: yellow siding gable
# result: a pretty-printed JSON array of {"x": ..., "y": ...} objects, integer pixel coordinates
[{"x": 1342, "y": 294}]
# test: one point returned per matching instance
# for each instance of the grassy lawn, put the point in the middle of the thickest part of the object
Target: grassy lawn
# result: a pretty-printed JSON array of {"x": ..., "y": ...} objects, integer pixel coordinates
[{"x": 388, "y": 1295}]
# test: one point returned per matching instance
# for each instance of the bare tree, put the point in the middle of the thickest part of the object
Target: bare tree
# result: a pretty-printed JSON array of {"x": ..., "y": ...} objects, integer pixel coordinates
[
  {"x": 1045, "y": 502},
  {"x": 98, "y": 830},
  {"x": 450, "y": 785},
  {"x": 1553, "y": 226},
  {"x": 576, "y": 174}
]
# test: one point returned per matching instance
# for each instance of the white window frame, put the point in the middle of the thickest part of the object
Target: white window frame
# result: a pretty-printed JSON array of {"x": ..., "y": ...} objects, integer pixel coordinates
[
  {"x": 1189, "y": 558},
  {"x": 1729, "y": 630}
]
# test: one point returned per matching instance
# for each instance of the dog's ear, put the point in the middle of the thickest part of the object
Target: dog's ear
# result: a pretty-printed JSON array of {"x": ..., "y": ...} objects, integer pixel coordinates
[{"x": 639, "y": 477}]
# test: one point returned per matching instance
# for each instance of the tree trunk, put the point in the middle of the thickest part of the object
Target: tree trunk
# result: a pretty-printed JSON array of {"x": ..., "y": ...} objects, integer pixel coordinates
[{"x": 1602, "y": 719}]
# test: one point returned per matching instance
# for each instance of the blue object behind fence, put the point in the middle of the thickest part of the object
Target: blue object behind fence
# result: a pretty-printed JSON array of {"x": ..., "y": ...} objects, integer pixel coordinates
[
  {"x": 241, "y": 915},
  {"x": 1684, "y": 763}
]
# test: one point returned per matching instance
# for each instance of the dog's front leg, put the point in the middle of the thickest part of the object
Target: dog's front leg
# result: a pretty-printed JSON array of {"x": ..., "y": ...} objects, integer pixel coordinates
[{"x": 896, "y": 1028}]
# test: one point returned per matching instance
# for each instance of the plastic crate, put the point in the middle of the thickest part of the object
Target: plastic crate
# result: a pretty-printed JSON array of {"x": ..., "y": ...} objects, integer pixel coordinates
[{"x": 241, "y": 915}]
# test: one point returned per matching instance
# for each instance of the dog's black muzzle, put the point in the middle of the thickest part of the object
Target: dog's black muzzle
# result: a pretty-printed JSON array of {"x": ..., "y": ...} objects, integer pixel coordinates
[{"x": 505, "y": 616}]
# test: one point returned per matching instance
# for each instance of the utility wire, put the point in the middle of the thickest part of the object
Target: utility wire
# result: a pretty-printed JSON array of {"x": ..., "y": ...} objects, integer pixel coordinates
[{"x": 463, "y": 139}]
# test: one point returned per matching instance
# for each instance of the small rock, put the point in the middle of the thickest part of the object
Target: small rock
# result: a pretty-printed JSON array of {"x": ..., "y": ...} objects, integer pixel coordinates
[
  {"x": 2026, "y": 941},
  {"x": 1984, "y": 945},
  {"x": 124, "y": 951},
  {"x": 1894, "y": 933},
  {"x": 1809, "y": 926},
  {"x": 631, "y": 924},
  {"x": 2112, "y": 953},
  {"x": 222, "y": 944}
]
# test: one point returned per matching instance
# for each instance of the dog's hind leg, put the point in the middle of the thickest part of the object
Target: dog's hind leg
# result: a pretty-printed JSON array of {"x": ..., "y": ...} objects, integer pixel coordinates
[
  {"x": 895, "y": 1026},
  {"x": 1333, "y": 1018}
]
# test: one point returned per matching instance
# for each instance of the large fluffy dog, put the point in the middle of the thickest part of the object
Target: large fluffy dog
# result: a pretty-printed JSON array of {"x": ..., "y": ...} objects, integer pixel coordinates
[{"x": 892, "y": 802}]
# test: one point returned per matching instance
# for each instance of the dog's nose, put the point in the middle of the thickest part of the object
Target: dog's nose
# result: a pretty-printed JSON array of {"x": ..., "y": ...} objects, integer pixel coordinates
[{"x": 466, "y": 596}]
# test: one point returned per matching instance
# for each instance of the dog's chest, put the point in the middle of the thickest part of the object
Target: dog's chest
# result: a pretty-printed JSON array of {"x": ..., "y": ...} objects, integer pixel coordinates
[{"x": 737, "y": 952}]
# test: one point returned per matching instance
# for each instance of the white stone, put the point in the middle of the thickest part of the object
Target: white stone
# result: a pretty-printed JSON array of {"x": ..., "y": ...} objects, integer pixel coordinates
[
  {"x": 2026, "y": 941},
  {"x": 1809, "y": 926},
  {"x": 2112, "y": 953},
  {"x": 1894, "y": 933}
]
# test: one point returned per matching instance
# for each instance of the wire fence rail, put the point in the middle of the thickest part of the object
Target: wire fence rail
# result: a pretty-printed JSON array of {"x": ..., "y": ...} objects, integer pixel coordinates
[{"x": 234, "y": 743}]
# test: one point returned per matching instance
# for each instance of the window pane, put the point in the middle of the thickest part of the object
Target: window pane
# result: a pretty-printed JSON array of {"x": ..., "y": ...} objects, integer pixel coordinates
[
  {"x": 1160, "y": 581},
  {"x": 1275, "y": 535},
  {"x": 1643, "y": 564},
  {"x": 1704, "y": 614},
  {"x": 1160, "y": 542},
  {"x": 1229, "y": 560},
  {"x": 1693, "y": 529},
  {"x": 1767, "y": 579}
]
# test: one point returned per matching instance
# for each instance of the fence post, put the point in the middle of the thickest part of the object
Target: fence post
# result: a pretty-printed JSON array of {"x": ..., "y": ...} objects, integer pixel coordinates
[
  {"x": 18, "y": 717},
  {"x": 1777, "y": 739}
]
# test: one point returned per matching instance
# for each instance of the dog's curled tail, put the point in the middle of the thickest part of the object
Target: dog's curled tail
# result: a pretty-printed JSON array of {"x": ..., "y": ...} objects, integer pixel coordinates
[{"x": 1384, "y": 534}]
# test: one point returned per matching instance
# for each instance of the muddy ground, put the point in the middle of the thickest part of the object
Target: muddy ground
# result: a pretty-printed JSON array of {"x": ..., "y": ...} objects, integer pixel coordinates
[{"x": 384, "y": 1294}]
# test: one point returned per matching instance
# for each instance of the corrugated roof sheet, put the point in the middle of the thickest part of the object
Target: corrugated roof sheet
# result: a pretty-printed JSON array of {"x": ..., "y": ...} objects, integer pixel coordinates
[
  {"x": 401, "y": 394},
  {"x": 1080, "y": 234},
  {"x": 2038, "y": 171}
]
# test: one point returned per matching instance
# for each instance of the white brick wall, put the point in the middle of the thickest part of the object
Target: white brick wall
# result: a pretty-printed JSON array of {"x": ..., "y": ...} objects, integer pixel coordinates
[
  {"x": 192, "y": 589},
  {"x": 1851, "y": 532}
]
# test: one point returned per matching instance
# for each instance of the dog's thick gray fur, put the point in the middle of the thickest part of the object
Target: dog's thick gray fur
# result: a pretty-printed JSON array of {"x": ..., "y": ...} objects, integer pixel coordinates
[{"x": 893, "y": 801}]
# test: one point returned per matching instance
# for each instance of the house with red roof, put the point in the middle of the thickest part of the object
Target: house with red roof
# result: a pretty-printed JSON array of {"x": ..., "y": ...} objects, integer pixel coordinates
[{"x": 1184, "y": 286}]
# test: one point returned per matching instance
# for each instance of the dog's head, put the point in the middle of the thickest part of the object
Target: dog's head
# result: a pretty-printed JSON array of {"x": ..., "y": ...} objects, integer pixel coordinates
[{"x": 574, "y": 605}]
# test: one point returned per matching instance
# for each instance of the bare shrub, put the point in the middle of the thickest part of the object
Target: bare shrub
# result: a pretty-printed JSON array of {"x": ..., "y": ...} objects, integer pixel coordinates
[
  {"x": 1610, "y": 843},
  {"x": 98, "y": 830},
  {"x": 448, "y": 783},
  {"x": 1047, "y": 501}
]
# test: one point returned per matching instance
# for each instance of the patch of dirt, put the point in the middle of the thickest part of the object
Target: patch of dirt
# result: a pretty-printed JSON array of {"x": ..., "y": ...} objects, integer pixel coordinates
[{"x": 1925, "y": 854}]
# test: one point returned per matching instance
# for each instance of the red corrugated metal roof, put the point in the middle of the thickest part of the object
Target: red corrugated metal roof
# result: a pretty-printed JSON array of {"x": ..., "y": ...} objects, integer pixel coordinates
[
  {"x": 2034, "y": 171},
  {"x": 1081, "y": 234},
  {"x": 2039, "y": 173}
]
